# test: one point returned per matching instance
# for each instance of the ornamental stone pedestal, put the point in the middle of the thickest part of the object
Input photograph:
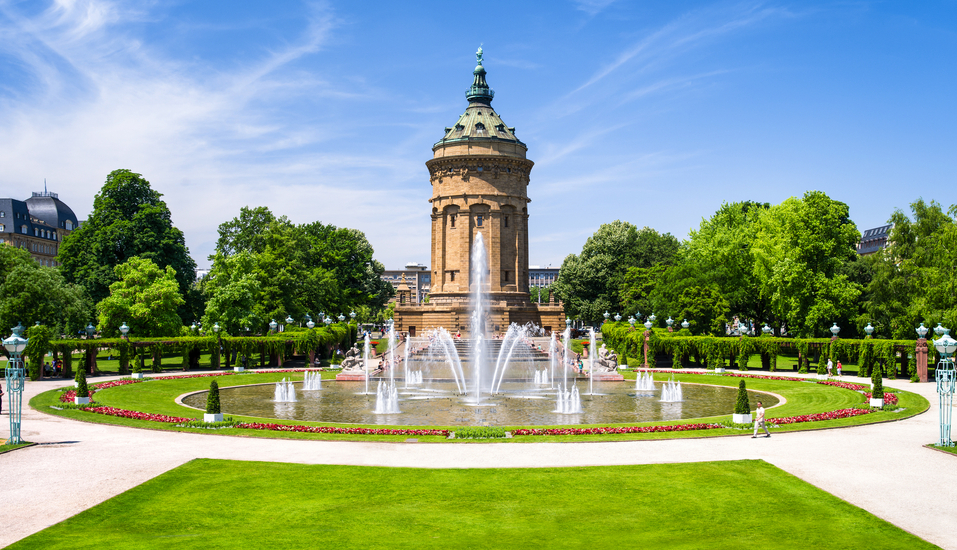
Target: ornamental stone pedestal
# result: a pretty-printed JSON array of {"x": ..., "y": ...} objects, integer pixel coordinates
[{"x": 920, "y": 357}]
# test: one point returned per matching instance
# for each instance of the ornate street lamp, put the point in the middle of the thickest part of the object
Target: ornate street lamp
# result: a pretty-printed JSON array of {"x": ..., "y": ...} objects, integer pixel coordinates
[
  {"x": 272, "y": 325},
  {"x": 685, "y": 324},
  {"x": 124, "y": 329},
  {"x": 15, "y": 345},
  {"x": 835, "y": 329},
  {"x": 869, "y": 330},
  {"x": 945, "y": 384},
  {"x": 309, "y": 322}
]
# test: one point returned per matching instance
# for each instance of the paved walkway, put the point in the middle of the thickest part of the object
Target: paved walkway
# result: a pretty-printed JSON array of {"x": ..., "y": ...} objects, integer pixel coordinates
[{"x": 882, "y": 468}]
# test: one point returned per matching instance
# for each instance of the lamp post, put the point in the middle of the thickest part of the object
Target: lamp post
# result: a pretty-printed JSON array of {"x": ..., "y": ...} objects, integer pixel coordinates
[
  {"x": 945, "y": 384},
  {"x": 870, "y": 330},
  {"x": 15, "y": 345}
]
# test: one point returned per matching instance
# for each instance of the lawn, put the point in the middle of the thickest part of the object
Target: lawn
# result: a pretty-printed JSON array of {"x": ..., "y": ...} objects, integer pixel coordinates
[
  {"x": 218, "y": 504},
  {"x": 157, "y": 397}
]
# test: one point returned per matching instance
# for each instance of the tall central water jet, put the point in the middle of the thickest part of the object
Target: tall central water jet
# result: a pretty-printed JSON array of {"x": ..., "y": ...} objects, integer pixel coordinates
[{"x": 478, "y": 276}]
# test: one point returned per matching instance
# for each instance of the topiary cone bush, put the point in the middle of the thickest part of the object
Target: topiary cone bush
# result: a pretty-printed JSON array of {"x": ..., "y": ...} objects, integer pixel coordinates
[
  {"x": 81, "y": 389},
  {"x": 742, "y": 406},
  {"x": 212, "y": 399},
  {"x": 877, "y": 383},
  {"x": 138, "y": 363},
  {"x": 822, "y": 364}
]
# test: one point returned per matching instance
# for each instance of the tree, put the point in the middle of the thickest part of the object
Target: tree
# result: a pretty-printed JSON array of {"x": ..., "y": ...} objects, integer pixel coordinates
[
  {"x": 31, "y": 293},
  {"x": 799, "y": 249},
  {"x": 591, "y": 283},
  {"x": 129, "y": 219},
  {"x": 914, "y": 278},
  {"x": 145, "y": 297},
  {"x": 267, "y": 268},
  {"x": 705, "y": 309}
]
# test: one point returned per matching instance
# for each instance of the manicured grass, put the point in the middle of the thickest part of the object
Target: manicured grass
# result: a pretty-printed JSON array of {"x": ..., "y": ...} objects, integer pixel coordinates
[
  {"x": 7, "y": 447},
  {"x": 157, "y": 397},
  {"x": 951, "y": 450},
  {"x": 218, "y": 504}
]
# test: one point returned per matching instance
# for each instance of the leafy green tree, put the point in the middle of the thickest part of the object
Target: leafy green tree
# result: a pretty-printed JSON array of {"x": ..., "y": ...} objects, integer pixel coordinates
[
  {"x": 799, "y": 248},
  {"x": 129, "y": 219},
  {"x": 705, "y": 309},
  {"x": 267, "y": 268},
  {"x": 146, "y": 297},
  {"x": 595, "y": 280},
  {"x": 31, "y": 293},
  {"x": 915, "y": 277}
]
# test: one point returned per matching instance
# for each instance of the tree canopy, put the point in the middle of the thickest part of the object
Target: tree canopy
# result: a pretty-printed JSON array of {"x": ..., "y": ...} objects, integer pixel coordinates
[
  {"x": 129, "y": 219},
  {"x": 145, "y": 297},
  {"x": 267, "y": 268},
  {"x": 31, "y": 293}
]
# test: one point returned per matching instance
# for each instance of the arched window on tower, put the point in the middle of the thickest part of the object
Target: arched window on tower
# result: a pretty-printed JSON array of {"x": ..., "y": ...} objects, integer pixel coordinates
[{"x": 480, "y": 129}]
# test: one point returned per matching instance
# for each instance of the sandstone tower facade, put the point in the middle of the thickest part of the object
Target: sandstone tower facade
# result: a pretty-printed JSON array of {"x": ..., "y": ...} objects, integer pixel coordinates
[{"x": 479, "y": 175}]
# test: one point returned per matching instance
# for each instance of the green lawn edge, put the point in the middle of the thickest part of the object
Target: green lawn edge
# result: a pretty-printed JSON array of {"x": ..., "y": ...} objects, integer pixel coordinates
[
  {"x": 210, "y": 504},
  {"x": 157, "y": 397}
]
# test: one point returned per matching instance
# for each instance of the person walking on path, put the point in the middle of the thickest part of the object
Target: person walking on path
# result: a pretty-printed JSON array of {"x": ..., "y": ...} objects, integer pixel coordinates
[
  {"x": 759, "y": 421},
  {"x": 838, "y": 367},
  {"x": 830, "y": 365}
]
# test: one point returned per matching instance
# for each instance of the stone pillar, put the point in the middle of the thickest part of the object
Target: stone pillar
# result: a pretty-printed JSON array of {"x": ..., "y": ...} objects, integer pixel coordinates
[
  {"x": 312, "y": 358},
  {"x": 921, "y": 358}
]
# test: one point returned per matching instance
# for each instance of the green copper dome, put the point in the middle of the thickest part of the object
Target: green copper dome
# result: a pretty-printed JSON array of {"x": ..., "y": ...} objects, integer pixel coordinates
[{"x": 480, "y": 121}]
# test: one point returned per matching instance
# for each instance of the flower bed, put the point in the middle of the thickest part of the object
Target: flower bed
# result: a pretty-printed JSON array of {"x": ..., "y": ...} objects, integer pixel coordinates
[
  {"x": 122, "y": 413},
  {"x": 69, "y": 395},
  {"x": 336, "y": 430},
  {"x": 833, "y": 415},
  {"x": 845, "y": 385},
  {"x": 889, "y": 398},
  {"x": 618, "y": 430}
]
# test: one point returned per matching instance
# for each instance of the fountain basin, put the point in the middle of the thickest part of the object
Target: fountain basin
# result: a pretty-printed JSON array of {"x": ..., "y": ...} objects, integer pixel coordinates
[{"x": 435, "y": 403}]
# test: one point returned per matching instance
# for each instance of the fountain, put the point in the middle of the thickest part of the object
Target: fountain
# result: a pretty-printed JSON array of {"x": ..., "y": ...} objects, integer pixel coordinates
[
  {"x": 387, "y": 399},
  {"x": 569, "y": 402},
  {"x": 541, "y": 378},
  {"x": 285, "y": 392},
  {"x": 365, "y": 362},
  {"x": 671, "y": 391},
  {"x": 311, "y": 381},
  {"x": 644, "y": 382}
]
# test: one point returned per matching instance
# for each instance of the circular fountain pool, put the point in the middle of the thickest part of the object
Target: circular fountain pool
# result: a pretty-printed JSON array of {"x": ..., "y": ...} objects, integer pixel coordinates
[{"x": 437, "y": 403}]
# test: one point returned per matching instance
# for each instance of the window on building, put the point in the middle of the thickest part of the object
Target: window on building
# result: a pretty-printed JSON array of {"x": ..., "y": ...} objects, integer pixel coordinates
[
  {"x": 36, "y": 232},
  {"x": 505, "y": 276},
  {"x": 478, "y": 221},
  {"x": 506, "y": 220},
  {"x": 2, "y": 228},
  {"x": 481, "y": 169},
  {"x": 69, "y": 225},
  {"x": 23, "y": 229},
  {"x": 451, "y": 276},
  {"x": 3, "y": 214},
  {"x": 452, "y": 220}
]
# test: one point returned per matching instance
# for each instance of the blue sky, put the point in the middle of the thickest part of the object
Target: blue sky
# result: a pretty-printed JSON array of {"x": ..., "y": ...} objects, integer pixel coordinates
[{"x": 649, "y": 112}]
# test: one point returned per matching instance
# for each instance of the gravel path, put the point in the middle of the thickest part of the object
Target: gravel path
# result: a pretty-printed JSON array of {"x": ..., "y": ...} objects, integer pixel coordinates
[{"x": 882, "y": 468}]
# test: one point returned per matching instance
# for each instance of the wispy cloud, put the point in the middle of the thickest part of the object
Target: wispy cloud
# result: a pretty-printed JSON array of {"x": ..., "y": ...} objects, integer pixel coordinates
[{"x": 592, "y": 7}]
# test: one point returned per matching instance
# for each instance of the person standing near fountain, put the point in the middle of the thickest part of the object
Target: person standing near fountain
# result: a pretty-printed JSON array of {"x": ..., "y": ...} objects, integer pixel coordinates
[{"x": 759, "y": 421}]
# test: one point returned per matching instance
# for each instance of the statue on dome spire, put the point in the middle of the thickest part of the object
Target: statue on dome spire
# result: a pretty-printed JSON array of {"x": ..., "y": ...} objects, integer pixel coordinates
[{"x": 478, "y": 56}]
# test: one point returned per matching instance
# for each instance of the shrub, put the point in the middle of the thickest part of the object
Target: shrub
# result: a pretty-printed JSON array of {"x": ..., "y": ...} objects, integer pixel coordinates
[
  {"x": 822, "y": 364},
  {"x": 877, "y": 383},
  {"x": 212, "y": 399},
  {"x": 479, "y": 432},
  {"x": 81, "y": 389},
  {"x": 742, "y": 406},
  {"x": 138, "y": 363}
]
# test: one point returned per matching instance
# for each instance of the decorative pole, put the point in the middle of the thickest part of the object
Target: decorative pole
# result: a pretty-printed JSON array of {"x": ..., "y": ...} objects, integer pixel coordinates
[
  {"x": 920, "y": 353},
  {"x": 15, "y": 345},
  {"x": 945, "y": 384}
]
